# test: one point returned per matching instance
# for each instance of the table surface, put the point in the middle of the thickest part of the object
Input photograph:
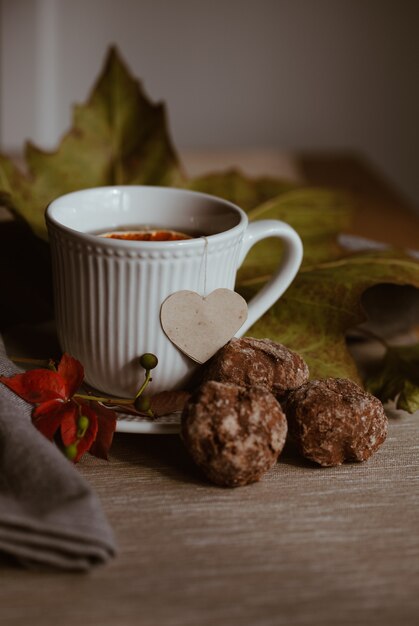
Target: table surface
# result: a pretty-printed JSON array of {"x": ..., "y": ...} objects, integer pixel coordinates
[{"x": 305, "y": 546}]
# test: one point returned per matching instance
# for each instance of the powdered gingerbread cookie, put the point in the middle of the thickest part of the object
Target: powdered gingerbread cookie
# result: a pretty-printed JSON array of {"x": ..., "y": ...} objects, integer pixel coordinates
[
  {"x": 234, "y": 434},
  {"x": 252, "y": 362},
  {"x": 334, "y": 420}
]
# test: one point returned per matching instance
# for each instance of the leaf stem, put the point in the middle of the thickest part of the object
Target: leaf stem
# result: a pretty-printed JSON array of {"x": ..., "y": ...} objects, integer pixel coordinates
[
  {"x": 145, "y": 383},
  {"x": 117, "y": 401},
  {"x": 23, "y": 359}
]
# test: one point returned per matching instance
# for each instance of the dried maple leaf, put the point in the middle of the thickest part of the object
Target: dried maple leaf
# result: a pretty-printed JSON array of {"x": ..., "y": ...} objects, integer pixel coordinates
[
  {"x": 118, "y": 137},
  {"x": 58, "y": 409}
]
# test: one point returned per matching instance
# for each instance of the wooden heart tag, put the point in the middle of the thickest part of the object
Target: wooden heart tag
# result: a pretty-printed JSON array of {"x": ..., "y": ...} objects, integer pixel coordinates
[{"x": 199, "y": 326}]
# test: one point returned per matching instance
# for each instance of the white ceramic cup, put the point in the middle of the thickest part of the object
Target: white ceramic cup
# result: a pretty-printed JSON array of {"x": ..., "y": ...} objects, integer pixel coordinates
[{"x": 108, "y": 292}]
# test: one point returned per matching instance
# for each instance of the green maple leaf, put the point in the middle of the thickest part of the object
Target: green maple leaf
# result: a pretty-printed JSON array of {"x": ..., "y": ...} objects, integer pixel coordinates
[
  {"x": 323, "y": 303},
  {"x": 118, "y": 137},
  {"x": 398, "y": 378}
]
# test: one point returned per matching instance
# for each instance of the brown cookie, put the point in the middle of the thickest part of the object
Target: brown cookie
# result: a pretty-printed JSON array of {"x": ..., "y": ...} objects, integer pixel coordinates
[
  {"x": 252, "y": 362},
  {"x": 234, "y": 434},
  {"x": 334, "y": 420}
]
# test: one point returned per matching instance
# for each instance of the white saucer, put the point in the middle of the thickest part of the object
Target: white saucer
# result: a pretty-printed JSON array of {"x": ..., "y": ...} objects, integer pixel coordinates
[{"x": 166, "y": 425}]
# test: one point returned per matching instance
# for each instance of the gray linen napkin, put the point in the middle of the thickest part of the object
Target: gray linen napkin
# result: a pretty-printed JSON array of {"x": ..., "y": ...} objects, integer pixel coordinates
[{"x": 49, "y": 516}]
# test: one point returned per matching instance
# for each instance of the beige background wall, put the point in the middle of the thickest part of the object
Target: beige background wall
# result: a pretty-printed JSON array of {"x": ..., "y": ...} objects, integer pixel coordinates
[{"x": 288, "y": 74}]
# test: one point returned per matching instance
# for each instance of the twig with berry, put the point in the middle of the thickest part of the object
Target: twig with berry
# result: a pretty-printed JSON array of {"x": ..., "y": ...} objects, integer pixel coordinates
[{"x": 77, "y": 422}]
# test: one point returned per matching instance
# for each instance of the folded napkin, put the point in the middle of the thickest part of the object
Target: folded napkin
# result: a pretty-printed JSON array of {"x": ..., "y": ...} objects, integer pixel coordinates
[{"x": 49, "y": 516}]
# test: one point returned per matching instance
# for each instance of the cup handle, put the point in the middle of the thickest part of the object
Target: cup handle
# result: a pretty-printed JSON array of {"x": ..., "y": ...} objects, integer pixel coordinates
[{"x": 284, "y": 275}]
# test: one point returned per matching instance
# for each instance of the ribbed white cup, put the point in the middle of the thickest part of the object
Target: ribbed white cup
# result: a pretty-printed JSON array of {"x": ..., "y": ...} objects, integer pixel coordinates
[{"x": 108, "y": 292}]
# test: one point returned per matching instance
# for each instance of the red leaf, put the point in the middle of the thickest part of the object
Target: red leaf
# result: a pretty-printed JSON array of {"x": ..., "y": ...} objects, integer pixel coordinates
[
  {"x": 70, "y": 416},
  {"x": 72, "y": 373},
  {"x": 47, "y": 417},
  {"x": 37, "y": 386},
  {"x": 107, "y": 424},
  {"x": 52, "y": 391}
]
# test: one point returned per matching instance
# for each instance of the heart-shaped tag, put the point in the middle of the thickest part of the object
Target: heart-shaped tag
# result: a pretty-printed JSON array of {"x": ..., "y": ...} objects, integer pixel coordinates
[{"x": 199, "y": 326}]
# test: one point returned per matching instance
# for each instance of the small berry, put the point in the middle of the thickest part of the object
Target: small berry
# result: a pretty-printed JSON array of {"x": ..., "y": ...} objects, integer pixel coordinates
[
  {"x": 82, "y": 426},
  {"x": 83, "y": 422},
  {"x": 71, "y": 451},
  {"x": 148, "y": 361},
  {"x": 142, "y": 404}
]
